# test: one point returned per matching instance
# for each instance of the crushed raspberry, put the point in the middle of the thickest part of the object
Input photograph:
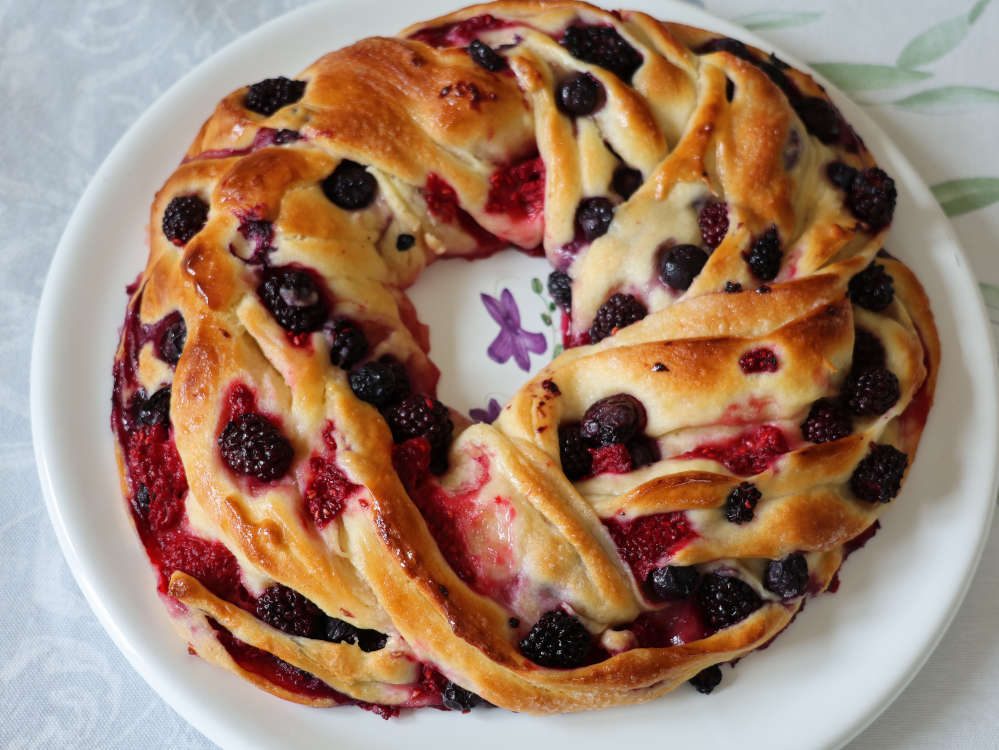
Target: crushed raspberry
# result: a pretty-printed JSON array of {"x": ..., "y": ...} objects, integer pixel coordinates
[
  {"x": 758, "y": 360},
  {"x": 154, "y": 463},
  {"x": 411, "y": 460},
  {"x": 611, "y": 459},
  {"x": 518, "y": 190},
  {"x": 210, "y": 562},
  {"x": 239, "y": 400},
  {"x": 459, "y": 34},
  {"x": 327, "y": 488},
  {"x": 647, "y": 542},
  {"x": 750, "y": 453},
  {"x": 441, "y": 198},
  {"x": 679, "y": 622}
]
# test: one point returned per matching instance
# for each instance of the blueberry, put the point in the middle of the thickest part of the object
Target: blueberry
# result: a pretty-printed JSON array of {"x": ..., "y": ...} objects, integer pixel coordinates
[
  {"x": 350, "y": 186},
  {"x": 485, "y": 56},
  {"x": 615, "y": 419},
  {"x": 594, "y": 217},
  {"x": 580, "y": 95},
  {"x": 680, "y": 264}
]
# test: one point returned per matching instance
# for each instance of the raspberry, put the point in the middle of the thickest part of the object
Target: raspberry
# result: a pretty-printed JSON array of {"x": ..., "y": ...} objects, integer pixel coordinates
[
  {"x": 294, "y": 298},
  {"x": 557, "y": 640},
  {"x": 426, "y": 417},
  {"x": 339, "y": 631},
  {"x": 713, "y": 222},
  {"x": 603, "y": 46},
  {"x": 380, "y": 383},
  {"x": 726, "y": 600},
  {"x": 576, "y": 460},
  {"x": 626, "y": 181},
  {"x": 645, "y": 541},
  {"x": 287, "y": 610},
  {"x": 270, "y": 95},
  {"x": 841, "y": 175},
  {"x": 594, "y": 217},
  {"x": 517, "y": 190},
  {"x": 759, "y": 360},
  {"x": 787, "y": 578},
  {"x": 707, "y": 680},
  {"x": 680, "y": 264},
  {"x": 873, "y": 288},
  {"x": 611, "y": 459},
  {"x": 560, "y": 289},
  {"x": 350, "y": 186},
  {"x": 615, "y": 419},
  {"x": 878, "y": 477},
  {"x": 748, "y": 453},
  {"x": 673, "y": 582},
  {"x": 827, "y": 420},
  {"x": 580, "y": 95},
  {"x": 404, "y": 242},
  {"x": 765, "y": 255},
  {"x": 171, "y": 343},
  {"x": 740, "y": 503},
  {"x": 155, "y": 409},
  {"x": 485, "y": 56},
  {"x": 251, "y": 445},
  {"x": 872, "y": 197},
  {"x": 619, "y": 311},
  {"x": 184, "y": 217},
  {"x": 349, "y": 344},
  {"x": 867, "y": 351},
  {"x": 873, "y": 392},
  {"x": 457, "y": 698},
  {"x": 210, "y": 562}
]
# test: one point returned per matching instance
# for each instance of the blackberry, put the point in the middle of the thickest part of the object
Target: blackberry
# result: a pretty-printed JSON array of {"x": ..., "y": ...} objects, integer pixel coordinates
[
  {"x": 680, "y": 264},
  {"x": 603, "y": 46},
  {"x": 873, "y": 392},
  {"x": 339, "y": 631},
  {"x": 285, "y": 136},
  {"x": 349, "y": 344},
  {"x": 142, "y": 501},
  {"x": 350, "y": 186},
  {"x": 643, "y": 451},
  {"x": 485, "y": 57},
  {"x": 787, "y": 578},
  {"x": 184, "y": 217},
  {"x": 594, "y": 217},
  {"x": 557, "y": 640},
  {"x": 626, "y": 181},
  {"x": 707, "y": 680},
  {"x": 729, "y": 89},
  {"x": 673, "y": 582},
  {"x": 872, "y": 197},
  {"x": 765, "y": 255},
  {"x": 726, "y": 600},
  {"x": 268, "y": 96},
  {"x": 380, "y": 383},
  {"x": 867, "y": 351},
  {"x": 821, "y": 119},
  {"x": 423, "y": 416},
  {"x": 615, "y": 419},
  {"x": 712, "y": 220},
  {"x": 560, "y": 289},
  {"x": 841, "y": 175},
  {"x": 251, "y": 445},
  {"x": 878, "y": 476},
  {"x": 457, "y": 698},
  {"x": 740, "y": 503},
  {"x": 873, "y": 288},
  {"x": 155, "y": 409},
  {"x": 759, "y": 360},
  {"x": 287, "y": 610},
  {"x": 732, "y": 287},
  {"x": 294, "y": 298},
  {"x": 576, "y": 459},
  {"x": 580, "y": 95},
  {"x": 827, "y": 420},
  {"x": 404, "y": 242},
  {"x": 620, "y": 311},
  {"x": 171, "y": 343}
]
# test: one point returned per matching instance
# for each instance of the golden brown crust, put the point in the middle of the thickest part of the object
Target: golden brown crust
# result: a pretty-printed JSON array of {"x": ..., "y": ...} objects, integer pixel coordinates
[{"x": 417, "y": 116}]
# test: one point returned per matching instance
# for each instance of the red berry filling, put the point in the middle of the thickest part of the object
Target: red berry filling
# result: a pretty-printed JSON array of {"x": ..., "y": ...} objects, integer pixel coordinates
[
  {"x": 327, "y": 487},
  {"x": 611, "y": 459},
  {"x": 442, "y": 203},
  {"x": 518, "y": 190},
  {"x": 646, "y": 543},
  {"x": 153, "y": 463},
  {"x": 678, "y": 622},
  {"x": 459, "y": 34},
  {"x": 759, "y": 360},
  {"x": 746, "y": 454}
]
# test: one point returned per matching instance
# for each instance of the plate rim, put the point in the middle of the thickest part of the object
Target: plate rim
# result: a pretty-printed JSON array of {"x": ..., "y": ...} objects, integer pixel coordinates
[{"x": 217, "y": 728}]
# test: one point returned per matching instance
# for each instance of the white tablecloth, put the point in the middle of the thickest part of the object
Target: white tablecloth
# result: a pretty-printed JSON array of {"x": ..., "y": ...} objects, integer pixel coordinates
[{"x": 75, "y": 75}]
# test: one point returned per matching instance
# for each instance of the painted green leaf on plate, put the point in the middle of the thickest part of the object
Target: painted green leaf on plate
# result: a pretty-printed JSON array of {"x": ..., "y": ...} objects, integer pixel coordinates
[
  {"x": 947, "y": 100},
  {"x": 934, "y": 43},
  {"x": 865, "y": 77},
  {"x": 958, "y": 197},
  {"x": 776, "y": 19}
]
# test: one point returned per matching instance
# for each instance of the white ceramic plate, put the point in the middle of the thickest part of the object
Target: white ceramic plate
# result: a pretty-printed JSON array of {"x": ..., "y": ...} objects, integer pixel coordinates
[{"x": 829, "y": 676}]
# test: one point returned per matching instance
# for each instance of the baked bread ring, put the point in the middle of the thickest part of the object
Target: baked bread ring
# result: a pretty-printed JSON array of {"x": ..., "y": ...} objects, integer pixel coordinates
[{"x": 746, "y": 375}]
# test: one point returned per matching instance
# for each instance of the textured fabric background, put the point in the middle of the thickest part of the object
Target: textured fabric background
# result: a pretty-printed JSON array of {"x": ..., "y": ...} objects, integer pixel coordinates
[{"x": 75, "y": 75}]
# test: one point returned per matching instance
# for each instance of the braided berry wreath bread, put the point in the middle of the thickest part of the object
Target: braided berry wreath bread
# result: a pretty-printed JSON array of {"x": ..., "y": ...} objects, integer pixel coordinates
[{"x": 746, "y": 375}]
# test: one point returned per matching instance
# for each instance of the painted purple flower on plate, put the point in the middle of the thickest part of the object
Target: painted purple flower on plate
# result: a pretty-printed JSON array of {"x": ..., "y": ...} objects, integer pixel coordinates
[
  {"x": 487, "y": 415},
  {"x": 512, "y": 340}
]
